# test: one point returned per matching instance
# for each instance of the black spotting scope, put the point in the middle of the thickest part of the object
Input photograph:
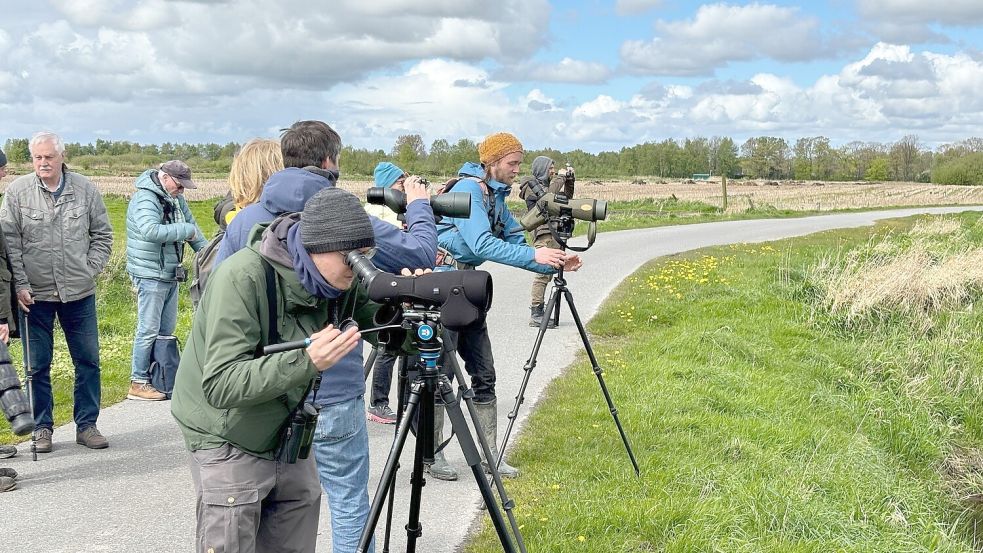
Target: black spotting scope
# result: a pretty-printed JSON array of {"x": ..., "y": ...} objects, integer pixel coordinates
[
  {"x": 463, "y": 297},
  {"x": 449, "y": 204}
]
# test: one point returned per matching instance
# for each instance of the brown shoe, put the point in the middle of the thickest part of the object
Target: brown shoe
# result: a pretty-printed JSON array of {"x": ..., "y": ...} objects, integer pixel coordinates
[
  {"x": 91, "y": 438},
  {"x": 42, "y": 440},
  {"x": 143, "y": 391}
]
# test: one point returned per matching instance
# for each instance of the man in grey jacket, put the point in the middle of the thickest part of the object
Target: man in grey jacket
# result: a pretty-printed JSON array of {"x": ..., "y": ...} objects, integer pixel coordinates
[{"x": 59, "y": 240}]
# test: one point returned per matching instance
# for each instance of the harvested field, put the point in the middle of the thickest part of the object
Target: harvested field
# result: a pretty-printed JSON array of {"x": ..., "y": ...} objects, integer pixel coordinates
[{"x": 742, "y": 194}]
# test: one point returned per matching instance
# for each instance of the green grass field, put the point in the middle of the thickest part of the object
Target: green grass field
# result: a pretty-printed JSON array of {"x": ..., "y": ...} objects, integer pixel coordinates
[{"x": 764, "y": 418}]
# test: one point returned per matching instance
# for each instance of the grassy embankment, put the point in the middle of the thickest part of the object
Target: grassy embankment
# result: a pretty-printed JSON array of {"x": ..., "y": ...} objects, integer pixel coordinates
[{"x": 815, "y": 394}]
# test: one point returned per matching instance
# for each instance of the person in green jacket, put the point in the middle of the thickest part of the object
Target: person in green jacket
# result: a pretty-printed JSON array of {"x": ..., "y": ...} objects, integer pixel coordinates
[{"x": 232, "y": 403}]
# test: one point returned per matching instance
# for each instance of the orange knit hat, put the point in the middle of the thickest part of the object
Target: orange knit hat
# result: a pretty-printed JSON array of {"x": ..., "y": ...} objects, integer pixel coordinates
[{"x": 496, "y": 146}]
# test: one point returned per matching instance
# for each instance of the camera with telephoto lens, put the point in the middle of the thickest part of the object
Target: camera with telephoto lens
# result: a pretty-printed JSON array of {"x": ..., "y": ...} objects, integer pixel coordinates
[
  {"x": 462, "y": 297},
  {"x": 448, "y": 204},
  {"x": 567, "y": 173},
  {"x": 299, "y": 434},
  {"x": 13, "y": 401}
]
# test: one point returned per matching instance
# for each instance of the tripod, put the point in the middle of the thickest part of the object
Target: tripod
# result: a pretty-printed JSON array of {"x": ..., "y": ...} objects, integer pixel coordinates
[
  {"x": 420, "y": 407},
  {"x": 28, "y": 375},
  {"x": 562, "y": 229}
]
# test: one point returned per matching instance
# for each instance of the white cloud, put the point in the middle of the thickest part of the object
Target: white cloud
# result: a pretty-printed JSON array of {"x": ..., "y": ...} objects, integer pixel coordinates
[
  {"x": 890, "y": 92},
  {"x": 720, "y": 34},
  {"x": 568, "y": 70},
  {"x": 635, "y": 7},
  {"x": 910, "y": 21},
  {"x": 949, "y": 12}
]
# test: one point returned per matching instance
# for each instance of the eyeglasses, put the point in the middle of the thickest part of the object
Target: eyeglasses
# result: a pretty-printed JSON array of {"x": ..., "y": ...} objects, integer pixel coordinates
[{"x": 368, "y": 252}]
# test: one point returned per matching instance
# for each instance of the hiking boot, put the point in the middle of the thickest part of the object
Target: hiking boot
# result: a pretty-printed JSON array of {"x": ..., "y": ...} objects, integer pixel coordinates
[
  {"x": 91, "y": 438},
  {"x": 42, "y": 440},
  {"x": 9, "y": 473},
  {"x": 382, "y": 414},
  {"x": 7, "y": 483},
  {"x": 7, "y": 451},
  {"x": 536, "y": 317},
  {"x": 143, "y": 391}
]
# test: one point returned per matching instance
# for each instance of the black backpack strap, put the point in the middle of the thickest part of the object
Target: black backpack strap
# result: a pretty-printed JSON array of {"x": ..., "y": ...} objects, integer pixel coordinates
[{"x": 273, "y": 335}]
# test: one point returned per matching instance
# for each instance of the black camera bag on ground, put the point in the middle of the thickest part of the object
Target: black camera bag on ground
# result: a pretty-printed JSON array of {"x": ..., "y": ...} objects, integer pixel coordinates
[{"x": 164, "y": 360}]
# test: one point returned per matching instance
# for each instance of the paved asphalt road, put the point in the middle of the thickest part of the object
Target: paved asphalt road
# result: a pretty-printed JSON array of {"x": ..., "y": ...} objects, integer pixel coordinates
[{"x": 137, "y": 495}]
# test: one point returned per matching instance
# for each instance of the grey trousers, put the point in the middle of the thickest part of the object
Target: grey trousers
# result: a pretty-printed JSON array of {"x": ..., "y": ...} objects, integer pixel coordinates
[
  {"x": 540, "y": 281},
  {"x": 246, "y": 504}
]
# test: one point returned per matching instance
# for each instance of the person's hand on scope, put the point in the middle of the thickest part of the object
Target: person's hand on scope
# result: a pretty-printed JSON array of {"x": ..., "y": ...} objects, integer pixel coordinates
[
  {"x": 550, "y": 256},
  {"x": 415, "y": 272},
  {"x": 330, "y": 345},
  {"x": 415, "y": 189},
  {"x": 572, "y": 262}
]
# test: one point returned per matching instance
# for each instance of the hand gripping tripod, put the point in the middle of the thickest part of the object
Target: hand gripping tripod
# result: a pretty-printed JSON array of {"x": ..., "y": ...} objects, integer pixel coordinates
[
  {"x": 562, "y": 229},
  {"x": 425, "y": 328}
]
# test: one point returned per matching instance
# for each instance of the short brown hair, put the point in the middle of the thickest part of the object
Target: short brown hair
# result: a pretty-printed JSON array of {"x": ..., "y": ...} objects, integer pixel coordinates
[{"x": 308, "y": 143}]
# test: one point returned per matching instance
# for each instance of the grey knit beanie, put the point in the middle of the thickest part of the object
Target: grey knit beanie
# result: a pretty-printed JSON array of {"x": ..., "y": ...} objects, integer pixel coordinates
[{"x": 333, "y": 220}]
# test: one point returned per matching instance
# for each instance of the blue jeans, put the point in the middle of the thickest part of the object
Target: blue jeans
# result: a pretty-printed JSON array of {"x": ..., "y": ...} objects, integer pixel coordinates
[
  {"x": 156, "y": 315},
  {"x": 78, "y": 321},
  {"x": 341, "y": 448}
]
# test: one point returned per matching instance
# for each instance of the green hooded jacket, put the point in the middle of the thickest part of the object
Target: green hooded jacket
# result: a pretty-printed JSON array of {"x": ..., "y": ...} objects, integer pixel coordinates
[{"x": 224, "y": 391}]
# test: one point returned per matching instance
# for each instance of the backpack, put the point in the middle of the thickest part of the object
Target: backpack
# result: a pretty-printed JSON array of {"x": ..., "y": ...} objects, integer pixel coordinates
[
  {"x": 201, "y": 267},
  {"x": 497, "y": 225},
  {"x": 164, "y": 360}
]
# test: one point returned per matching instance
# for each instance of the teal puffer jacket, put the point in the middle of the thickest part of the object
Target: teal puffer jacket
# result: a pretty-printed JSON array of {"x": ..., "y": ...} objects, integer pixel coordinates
[{"x": 154, "y": 249}]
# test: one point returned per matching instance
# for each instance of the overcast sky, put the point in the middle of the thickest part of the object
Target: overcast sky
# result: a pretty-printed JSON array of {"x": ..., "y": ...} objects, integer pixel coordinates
[{"x": 583, "y": 74}]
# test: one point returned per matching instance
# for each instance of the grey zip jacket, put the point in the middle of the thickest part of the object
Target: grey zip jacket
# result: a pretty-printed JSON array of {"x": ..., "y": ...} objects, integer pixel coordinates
[{"x": 57, "y": 247}]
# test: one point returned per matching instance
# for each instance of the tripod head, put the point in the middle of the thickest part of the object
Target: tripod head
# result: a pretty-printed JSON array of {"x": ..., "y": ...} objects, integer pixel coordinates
[{"x": 424, "y": 327}]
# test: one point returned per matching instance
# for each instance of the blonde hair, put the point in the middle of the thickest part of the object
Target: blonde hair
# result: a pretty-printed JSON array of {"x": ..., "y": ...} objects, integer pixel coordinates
[{"x": 252, "y": 166}]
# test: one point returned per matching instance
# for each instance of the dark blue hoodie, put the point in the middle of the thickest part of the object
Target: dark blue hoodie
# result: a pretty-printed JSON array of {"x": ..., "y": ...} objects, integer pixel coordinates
[{"x": 288, "y": 190}]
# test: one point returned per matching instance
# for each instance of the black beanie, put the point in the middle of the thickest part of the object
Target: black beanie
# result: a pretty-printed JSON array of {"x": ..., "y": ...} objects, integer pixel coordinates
[
  {"x": 3, "y": 159},
  {"x": 335, "y": 220}
]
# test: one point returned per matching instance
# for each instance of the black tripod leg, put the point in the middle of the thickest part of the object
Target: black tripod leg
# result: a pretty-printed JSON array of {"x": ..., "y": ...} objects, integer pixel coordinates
[
  {"x": 598, "y": 372},
  {"x": 400, "y": 404},
  {"x": 389, "y": 471},
  {"x": 28, "y": 376},
  {"x": 422, "y": 456},
  {"x": 370, "y": 361},
  {"x": 467, "y": 395},
  {"x": 528, "y": 367},
  {"x": 453, "y": 407}
]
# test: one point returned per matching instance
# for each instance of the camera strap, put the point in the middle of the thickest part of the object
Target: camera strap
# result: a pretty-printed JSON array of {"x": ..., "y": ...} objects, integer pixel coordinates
[{"x": 169, "y": 219}]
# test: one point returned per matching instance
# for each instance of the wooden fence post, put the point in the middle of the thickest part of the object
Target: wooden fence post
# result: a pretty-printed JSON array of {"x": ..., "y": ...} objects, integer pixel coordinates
[{"x": 723, "y": 188}]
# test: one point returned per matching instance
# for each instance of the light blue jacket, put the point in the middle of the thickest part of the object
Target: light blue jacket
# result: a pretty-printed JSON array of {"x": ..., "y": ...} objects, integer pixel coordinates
[
  {"x": 472, "y": 241},
  {"x": 152, "y": 247}
]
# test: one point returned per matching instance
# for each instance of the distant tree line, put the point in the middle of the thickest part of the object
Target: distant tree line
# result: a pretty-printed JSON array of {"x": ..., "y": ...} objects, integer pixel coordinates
[{"x": 762, "y": 157}]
